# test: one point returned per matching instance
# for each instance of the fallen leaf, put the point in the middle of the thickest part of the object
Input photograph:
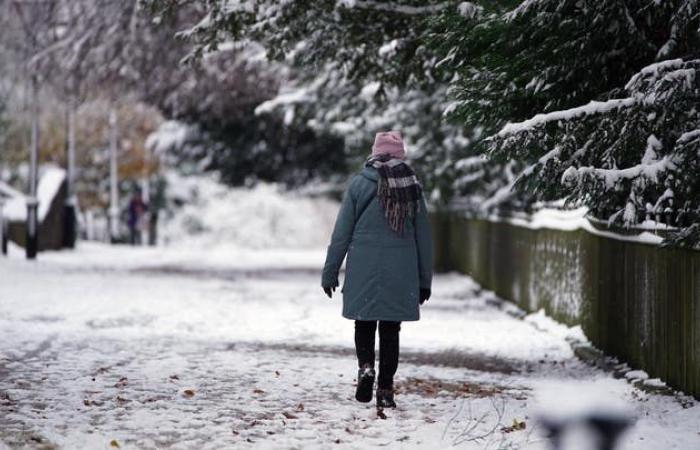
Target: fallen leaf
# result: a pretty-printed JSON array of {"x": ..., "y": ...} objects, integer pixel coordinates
[
  {"x": 258, "y": 391},
  {"x": 188, "y": 393},
  {"x": 515, "y": 426},
  {"x": 300, "y": 407},
  {"x": 277, "y": 373},
  {"x": 114, "y": 443}
]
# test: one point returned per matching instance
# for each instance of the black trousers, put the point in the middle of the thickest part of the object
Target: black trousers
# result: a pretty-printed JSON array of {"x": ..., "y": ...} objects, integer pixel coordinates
[{"x": 365, "y": 332}]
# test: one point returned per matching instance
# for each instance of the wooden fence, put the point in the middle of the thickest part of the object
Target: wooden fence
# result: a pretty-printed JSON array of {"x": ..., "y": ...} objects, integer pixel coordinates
[{"x": 635, "y": 301}]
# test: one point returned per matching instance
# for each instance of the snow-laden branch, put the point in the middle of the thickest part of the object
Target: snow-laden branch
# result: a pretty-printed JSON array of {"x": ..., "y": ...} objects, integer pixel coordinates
[
  {"x": 520, "y": 9},
  {"x": 647, "y": 170},
  {"x": 688, "y": 137},
  {"x": 589, "y": 109},
  {"x": 683, "y": 15},
  {"x": 506, "y": 191},
  {"x": 654, "y": 69},
  {"x": 393, "y": 7}
]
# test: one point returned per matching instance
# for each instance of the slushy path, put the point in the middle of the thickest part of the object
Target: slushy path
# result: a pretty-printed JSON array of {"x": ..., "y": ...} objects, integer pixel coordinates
[{"x": 108, "y": 347}]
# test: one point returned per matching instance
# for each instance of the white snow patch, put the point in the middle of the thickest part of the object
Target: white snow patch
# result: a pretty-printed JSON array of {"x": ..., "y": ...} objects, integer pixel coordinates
[
  {"x": 545, "y": 323},
  {"x": 389, "y": 49},
  {"x": 369, "y": 90},
  {"x": 265, "y": 216},
  {"x": 468, "y": 10},
  {"x": 170, "y": 134},
  {"x": 47, "y": 189},
  {"x": 637, "y": 375}
]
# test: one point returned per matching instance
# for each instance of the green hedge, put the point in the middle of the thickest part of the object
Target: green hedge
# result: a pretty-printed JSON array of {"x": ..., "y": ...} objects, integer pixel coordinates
[{"x": 636, "y": 301}]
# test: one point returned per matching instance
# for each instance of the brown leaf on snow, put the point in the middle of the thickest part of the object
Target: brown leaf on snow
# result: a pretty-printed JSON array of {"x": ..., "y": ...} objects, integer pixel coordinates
[
  {"x": 300, "y": 407},
  {"x": 113, "y": 443},
  {"x": 258, "y": 391},
  {"x": 188, "y": 393},
  {"x": 277, "y": 373},
  {"x": 515, "y": 426}
]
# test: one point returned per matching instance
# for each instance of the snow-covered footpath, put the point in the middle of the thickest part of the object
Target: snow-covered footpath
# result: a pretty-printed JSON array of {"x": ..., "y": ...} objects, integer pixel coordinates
[{"x": 114, "y": 346}]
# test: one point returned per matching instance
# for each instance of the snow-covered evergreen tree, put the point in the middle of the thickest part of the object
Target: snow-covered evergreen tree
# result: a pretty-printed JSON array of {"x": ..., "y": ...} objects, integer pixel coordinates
[
  {"x": 601, "y": 99},
  {"x": 357, "y": 66}
]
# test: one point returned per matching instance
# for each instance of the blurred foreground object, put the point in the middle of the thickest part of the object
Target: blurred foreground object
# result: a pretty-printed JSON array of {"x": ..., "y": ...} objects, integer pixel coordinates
[{"x": 580, "y": 418}]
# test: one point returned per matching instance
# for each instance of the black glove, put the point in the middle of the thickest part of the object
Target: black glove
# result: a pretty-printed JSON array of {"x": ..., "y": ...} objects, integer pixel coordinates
[
  {"x": 424, "y": 295},
  {"x": 329, "y": 291}
]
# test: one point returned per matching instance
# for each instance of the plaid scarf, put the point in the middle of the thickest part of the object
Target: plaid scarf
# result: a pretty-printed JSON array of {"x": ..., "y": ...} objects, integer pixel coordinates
[{"x": 398, "y": 190}]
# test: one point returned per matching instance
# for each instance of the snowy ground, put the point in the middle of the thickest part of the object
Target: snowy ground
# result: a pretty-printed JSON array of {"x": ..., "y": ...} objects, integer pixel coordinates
[{"x": 149, "y": 348}]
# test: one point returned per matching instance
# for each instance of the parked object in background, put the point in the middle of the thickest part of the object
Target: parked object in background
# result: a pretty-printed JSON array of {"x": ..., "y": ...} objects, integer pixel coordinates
[{"x": 51, "y": 195}]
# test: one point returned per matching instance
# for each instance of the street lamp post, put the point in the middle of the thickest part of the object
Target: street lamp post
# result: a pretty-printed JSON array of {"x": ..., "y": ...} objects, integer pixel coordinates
[
  {"x": 3, "y": 233},
  {"x": 32, "y": 201},
  {"x": 113, "y": 187},
  {"x": 70, "y": 228}
]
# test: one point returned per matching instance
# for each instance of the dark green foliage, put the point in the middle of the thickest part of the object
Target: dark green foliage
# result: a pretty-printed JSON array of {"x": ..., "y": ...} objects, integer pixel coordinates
[
  {"x": 551, "y": 55},
  {"x": 629, "y": 158}
]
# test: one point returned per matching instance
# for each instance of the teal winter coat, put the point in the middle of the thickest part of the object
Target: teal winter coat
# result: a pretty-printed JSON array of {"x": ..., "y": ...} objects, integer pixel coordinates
[{"x": 384, "y": 270}]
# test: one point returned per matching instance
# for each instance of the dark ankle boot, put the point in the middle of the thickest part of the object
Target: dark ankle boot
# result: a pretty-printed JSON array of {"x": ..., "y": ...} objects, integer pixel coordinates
[
  {"x": 385, "y": 398},
  {"x": 365, "y": 384}
]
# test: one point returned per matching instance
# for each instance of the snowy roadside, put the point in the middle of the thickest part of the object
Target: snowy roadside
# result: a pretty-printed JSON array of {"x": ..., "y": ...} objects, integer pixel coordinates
[{"x": 150, "y": 349}]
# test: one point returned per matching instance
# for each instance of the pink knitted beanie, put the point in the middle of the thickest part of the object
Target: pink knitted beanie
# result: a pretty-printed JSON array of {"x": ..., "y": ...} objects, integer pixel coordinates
[{"x": 389, "y": 143}]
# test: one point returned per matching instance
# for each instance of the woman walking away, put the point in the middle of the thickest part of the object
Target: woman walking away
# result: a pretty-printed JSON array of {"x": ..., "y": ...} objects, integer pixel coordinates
[{"x": 383, "y": 228}]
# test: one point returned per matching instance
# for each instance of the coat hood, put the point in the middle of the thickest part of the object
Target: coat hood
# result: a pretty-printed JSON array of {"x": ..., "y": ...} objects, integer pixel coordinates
[{"x": 370, "y": 173}]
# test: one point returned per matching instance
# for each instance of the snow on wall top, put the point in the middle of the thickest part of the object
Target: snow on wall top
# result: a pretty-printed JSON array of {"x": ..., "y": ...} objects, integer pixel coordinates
[
  {"x": 15, "y": 209},
  {"x": 49, "y": 184}
]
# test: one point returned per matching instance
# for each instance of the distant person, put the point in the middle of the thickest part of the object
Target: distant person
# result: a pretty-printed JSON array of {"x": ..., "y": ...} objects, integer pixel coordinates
[
  {"x": 137, "y": 212},
  {"x": 383, "y": 228}
]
